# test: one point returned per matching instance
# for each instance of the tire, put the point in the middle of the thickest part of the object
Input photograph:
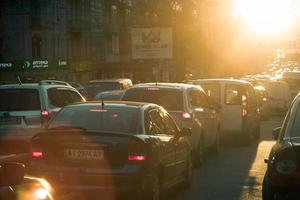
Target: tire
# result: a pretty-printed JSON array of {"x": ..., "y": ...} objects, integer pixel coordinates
[
  {"x": 246, "y": 137},
  {"x": 188, "y": 174},
  {"x": 216, "y": 147},
  {"x": 198, "y": 154},
  {"x": 257, "y": 133},
  {"x": 154, "y": 191},
  {"x": 267, "y": 192}
]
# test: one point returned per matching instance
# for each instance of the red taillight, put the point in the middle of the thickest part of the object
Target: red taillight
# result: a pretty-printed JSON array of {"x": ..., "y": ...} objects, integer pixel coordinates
[
  {"x": 186, "y": 116},
  {"x": 136, "y": 152},
  {"x": 136, "y": 158},
  {"x": 44, "y": 113},
  {"x": 244, "y": 111},
  {"x": 36, "y": 154}
]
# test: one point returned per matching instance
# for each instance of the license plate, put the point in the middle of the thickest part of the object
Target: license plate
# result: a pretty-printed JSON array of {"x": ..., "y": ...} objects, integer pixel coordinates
[
  {"x": 10, "y": 120},
  {"x": 83, "y": 154}
]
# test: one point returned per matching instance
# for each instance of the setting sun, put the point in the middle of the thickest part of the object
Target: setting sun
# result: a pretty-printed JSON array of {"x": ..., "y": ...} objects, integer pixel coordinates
[{"x": 267, "y": 16}]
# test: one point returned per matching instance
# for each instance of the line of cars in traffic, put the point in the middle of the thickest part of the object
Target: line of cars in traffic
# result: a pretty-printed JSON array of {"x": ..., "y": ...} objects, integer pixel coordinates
[{"x": 147, "y": 142}]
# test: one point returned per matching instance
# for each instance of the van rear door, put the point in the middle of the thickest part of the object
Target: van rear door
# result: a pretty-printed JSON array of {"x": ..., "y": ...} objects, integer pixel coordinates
[{"x": 231, "y": 116}]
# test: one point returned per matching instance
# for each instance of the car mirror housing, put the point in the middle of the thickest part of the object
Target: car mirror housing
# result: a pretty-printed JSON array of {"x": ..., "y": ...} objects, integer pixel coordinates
[
  {"x": 11, "y": 174},
  {"x": 276, "y": 132},
  {"x": 186, "y": 132}
]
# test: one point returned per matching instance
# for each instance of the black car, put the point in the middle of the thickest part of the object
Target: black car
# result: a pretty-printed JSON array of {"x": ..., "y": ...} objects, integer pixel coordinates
[
  {"x": 113, "y": 147},
  {"x": 282, "y": 179},
  {"x": 15, "y": 186}
]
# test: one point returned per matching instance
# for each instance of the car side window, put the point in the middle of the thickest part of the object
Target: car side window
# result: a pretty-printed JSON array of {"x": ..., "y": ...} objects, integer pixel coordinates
[
  {"x": 170, "y": 126},
  {"x": 59, "y": 97},
  {"x": 198, "y": 99},
  {"x": 75, "y": 96},
  {"x": 154, "y": 123},
  {"x": 233, "y": 94}
]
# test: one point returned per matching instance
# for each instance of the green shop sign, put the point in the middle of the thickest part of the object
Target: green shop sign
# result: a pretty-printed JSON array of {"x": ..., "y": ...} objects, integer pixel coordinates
[{"x": 33, "y": 64}]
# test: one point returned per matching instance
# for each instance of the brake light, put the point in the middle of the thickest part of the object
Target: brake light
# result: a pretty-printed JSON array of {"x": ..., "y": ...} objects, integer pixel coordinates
[
  {"x": 36, "y": 154},
  {"x": 186, "y": 116},
  {"x": 136, "y": 152},
  {"x": 45, "y": 113},
  {"x": 244, "y": 111},
  {"x": 136, "y": 158}
]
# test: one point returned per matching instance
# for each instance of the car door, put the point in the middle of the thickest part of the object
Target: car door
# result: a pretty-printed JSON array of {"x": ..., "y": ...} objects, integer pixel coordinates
[
  {"x": 181, "y": 144},
  {"x": 166, "y": 149},
  {"x": 202, "y": 112},
  {"x": 231, "y": 116}
]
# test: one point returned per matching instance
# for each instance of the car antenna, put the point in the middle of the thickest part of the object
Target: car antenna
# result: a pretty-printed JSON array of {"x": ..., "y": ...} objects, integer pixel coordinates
[
  {"x": 102, "y": 103},
  {"x": 19, "y": 80}
]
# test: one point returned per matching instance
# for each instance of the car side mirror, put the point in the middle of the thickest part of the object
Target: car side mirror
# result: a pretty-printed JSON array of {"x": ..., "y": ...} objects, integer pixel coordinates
[
  {"x": 276, "y": 132},
  {"x": 11, "y": 174},
  {"x": 186, "y": 132}
]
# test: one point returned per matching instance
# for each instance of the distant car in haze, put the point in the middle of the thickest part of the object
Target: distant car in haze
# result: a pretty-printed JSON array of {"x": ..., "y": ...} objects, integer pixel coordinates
[
  {"x": 101, "y": 85},
  {"x": 114, "y": 95}
]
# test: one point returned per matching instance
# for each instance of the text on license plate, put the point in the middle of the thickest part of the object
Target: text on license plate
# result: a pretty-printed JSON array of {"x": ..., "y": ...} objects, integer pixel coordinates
[{"x": 83, "y": 154}]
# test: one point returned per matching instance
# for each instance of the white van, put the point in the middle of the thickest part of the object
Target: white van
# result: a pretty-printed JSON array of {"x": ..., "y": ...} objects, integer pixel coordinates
[{"x": 240, "y": 115}]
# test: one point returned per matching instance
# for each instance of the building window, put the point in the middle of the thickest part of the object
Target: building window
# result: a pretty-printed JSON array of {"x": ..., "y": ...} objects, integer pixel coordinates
[
  {"x": 36, "y": 46},
  {"x": 112, "y": 43},
  {"x": 35, "y": 6}
]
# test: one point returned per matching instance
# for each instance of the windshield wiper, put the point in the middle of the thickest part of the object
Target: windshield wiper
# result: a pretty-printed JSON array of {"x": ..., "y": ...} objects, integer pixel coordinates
[{"x": 64, "y": 127}]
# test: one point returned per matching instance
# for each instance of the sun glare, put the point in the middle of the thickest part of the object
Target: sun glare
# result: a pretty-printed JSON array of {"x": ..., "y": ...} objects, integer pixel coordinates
[{"x": 267, "y": 16}]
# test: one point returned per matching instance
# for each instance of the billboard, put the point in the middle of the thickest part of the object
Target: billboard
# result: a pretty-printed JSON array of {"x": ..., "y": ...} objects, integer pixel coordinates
[{"x": 151, "y": 43}]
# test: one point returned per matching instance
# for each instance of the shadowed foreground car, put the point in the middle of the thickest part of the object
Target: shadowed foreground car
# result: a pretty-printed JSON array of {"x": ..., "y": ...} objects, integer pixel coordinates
[
  {"x": 14, "y": 186},
  {"x": 113, "y": 148},
  {"x": 282, "y": 179}
]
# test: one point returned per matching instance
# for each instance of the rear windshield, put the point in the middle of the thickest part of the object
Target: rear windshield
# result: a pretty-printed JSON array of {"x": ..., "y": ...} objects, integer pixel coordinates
[
  {"x": 233, "y": 94},
  {"x": 19, "y": 99},
  {"x": 170, "y": 99},
  {"x": 212, "y": 90},
  {"x": 93, "y": 118},
  {"x": 95, "y": 88}
]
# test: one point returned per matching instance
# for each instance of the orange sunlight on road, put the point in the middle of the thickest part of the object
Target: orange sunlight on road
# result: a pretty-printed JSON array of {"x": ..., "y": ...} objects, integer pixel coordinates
[{"x": 267, "y": 16}]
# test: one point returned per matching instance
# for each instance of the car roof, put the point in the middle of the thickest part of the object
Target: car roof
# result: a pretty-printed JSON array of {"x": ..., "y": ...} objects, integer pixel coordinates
[
  {"x": 180, "y": 86},
  {"x": 115, "y": 103},
  {"x": 110, "y": 80},
  {"x": 221, "y": 80},
  {"x": 32, "y": 86}
]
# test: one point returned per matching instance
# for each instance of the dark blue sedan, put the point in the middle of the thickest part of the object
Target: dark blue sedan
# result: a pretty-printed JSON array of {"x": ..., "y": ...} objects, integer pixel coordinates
[{"x": 114, "y": 148}]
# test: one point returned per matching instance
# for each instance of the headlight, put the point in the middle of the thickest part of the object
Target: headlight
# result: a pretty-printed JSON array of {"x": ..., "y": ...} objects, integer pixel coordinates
[
  {"x": 41, "y": 194},
  {"x": 286, "y": 167}
]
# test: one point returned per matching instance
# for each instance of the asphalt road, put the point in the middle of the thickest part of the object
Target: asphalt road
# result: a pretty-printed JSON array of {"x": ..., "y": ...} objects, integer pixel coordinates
[{"x": 235, "y": 174}]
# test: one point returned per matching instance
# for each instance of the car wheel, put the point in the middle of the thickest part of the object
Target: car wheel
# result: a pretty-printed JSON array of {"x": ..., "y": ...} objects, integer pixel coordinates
[
  {"x": 216, "y": 147},
  {"x": 188, "y": 174},
  {"x": 257, "y": 133},
  {"x": 198, "y": 155},
  {"x": 246, "y": 137},
  {"x": 267, "y": 193},
  {"x": 154, "y": 191}
]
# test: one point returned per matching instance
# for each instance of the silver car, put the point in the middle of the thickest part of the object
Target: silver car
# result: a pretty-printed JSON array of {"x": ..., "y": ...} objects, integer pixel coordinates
[
  {"x": 189, "y": 106},
  {"x": 32, "y": 104}
]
